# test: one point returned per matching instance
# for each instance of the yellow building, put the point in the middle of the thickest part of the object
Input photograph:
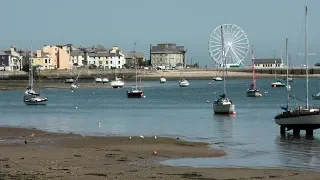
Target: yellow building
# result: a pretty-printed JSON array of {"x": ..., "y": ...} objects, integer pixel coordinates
[
  {"x": 43, "y": 60},
  {"x": 60, "y": 55}
]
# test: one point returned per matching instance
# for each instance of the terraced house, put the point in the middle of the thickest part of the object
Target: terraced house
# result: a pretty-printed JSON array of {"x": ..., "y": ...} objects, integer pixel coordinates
[
  {"x": 42, "y": 60},
  {"x": 60, "y": 55}
]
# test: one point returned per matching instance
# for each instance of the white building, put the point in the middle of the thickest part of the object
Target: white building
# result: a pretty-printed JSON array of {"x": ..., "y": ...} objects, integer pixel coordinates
[
  {"x": 268, "y": 63},
  {"x": 77, "y": 57},
  {"x": 168, "y": 55}
]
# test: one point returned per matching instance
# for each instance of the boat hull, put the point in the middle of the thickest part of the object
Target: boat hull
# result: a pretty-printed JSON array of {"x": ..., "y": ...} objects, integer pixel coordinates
[
  {"x": 137, "y": 94},
  {"x": 278, "y": 85},
  {"x": 224, "y": 109},
  {"x": 117, "y": 84},
  {"x": 70, "y": 80},
  {"x": 254, "y": 94},
  {"x": 301, "y": 119},
  {"x": 217, "y": 79},
  {"x": 36, "y": 102},
  {"x": 184, "y": 84},
  {"x": 315, "y": 97},
  {"x": 163, "y": 80}
]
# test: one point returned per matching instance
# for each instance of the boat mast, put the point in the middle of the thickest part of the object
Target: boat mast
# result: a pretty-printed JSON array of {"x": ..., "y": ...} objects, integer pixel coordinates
[
  {"x": 136, "y": 62},
  {"x": 306, "y": 56},
  {"x": 275, "y": 73},
  {"x": 30, "y": 68},
  {"x": 287, "y": 73},
  {"x": 224, "y": 62},
  {"x": 253, "y": 71}
]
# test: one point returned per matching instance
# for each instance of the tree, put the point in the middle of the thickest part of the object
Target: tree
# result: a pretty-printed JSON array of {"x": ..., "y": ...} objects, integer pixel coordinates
[{"x": 25, "y": 62}]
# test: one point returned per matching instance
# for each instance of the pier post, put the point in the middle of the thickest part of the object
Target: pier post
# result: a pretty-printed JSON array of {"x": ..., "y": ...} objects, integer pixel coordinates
[
  {"x": 282, "y": 130},
  {"x": 296, "y": 132},
  {"x": 309, "y": 132}
]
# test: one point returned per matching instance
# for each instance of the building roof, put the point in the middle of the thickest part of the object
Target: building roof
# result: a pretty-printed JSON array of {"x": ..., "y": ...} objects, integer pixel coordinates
[
  {"x": 76, "y": 52},
  {"x": 129, "y": 55},
  {"x": 2, "y": 53},
  {"x": 267, "y": 60},
  {"x": 43, "y": 55},
  {"x": 167, "y": 48}
]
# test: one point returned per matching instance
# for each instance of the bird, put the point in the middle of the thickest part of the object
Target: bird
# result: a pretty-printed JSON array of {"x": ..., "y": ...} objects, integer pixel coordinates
[{"x": 130, "y": 137}]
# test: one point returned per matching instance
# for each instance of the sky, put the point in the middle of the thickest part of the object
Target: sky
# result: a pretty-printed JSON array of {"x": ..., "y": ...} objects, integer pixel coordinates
[{"x": 187, "y": 23}]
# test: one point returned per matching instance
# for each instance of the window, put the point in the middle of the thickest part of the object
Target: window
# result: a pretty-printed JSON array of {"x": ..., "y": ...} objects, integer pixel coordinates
[
  {"x": 94, "y": 62},
  {"x": 100, "y": 62},
  {"x": 46, "y": 61},
  {"x": 118, "y": 62},
  {"x": 106, "y": 62},
  {"x": 49, "y": 61},
  {"x": 110, "y": 62}
]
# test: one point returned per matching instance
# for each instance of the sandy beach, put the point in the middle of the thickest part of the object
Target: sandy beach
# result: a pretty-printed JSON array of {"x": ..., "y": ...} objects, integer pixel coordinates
[{"x": 35, "y": 154}]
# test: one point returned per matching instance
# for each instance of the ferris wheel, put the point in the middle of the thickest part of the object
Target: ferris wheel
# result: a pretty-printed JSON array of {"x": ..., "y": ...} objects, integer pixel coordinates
[{"x": 236, "y": 44}]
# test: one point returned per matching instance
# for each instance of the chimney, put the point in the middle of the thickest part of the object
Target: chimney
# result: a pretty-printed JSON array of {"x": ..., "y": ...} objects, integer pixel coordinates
[{"x": 38, "y": 53}]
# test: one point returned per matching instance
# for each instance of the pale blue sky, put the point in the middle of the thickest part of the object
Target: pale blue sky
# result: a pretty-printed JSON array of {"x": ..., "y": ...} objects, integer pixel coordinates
[{"x": 185, "y": 22}]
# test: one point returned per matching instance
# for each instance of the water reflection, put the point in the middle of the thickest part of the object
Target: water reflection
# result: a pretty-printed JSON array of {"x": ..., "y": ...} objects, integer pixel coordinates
[{"x": 299, "y": 152}]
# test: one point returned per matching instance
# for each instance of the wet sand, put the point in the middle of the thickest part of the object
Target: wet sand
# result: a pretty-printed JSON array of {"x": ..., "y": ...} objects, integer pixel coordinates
[{"x": 35, "y": 154}]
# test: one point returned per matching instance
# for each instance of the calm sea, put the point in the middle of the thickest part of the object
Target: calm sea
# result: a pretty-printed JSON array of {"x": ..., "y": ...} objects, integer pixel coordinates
[{"x": 251, "y": 137}]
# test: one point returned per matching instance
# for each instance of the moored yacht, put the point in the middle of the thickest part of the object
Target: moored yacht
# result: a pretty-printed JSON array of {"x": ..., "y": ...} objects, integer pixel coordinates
[
  {"x": 223, "y": 105},
  {"x": 306, "y": 118},
  {"x": 183, "y": 83}
]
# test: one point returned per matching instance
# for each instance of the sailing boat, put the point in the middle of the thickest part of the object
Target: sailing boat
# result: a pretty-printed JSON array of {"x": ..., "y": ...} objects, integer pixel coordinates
[
  {"x": 288, "y": 66},
  {"x": 135, "y": 92},
  {"x": 30, "y": 97},
  {"x": 116, "y": 83},
  {"x": 162, "y": 79},
  {"x": 300, "y": 118},
  {"x": 217, "y": 78},
  {"x": 223, "y": 105},
  {"x": 277, "y": 82},
  {"x": 253, "y": 91},
  {"x": 74, "y": 85},
  {"x": 183, "y": 82}
]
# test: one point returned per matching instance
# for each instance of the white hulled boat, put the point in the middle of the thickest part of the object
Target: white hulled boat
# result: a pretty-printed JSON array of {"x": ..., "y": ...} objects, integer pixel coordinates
[
  {"x": 223, "y": 105},
  {"x": 30, "y": 97},
  {"x": 183, "y": 83},
  {"x": 117, "y": 82},
  {"x": 163, "y": 80},
  {"x": 98, "y": 80},
  {"x": 300, "y": 118},
  {"x": 217, "y": 79}
]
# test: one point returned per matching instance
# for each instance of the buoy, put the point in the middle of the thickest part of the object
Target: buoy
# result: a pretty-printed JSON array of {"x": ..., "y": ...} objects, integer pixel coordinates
[
  {"x": 99, "y": 124},
  {"x": 208, "y": 101},
  {"x": 209, "y": 83},
  {"x": 155, "y": 152},
  {"x": 72, "y": 91},
  {"x": 76, "y": 107},
  {"x": 274, "y": 86},
  {"x": 234, "y": 113},
  {"x": 155, "y": 137},
  {"x": 144, "y": 96}
]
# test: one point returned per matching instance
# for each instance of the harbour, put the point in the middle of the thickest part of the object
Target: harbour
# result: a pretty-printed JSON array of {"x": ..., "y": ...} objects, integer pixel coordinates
[{"x": 184, "y": 112}]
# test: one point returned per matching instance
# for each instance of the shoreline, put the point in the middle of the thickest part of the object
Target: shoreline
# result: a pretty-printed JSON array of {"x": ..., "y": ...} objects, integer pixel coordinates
[{"x": 35, "y": 154}]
